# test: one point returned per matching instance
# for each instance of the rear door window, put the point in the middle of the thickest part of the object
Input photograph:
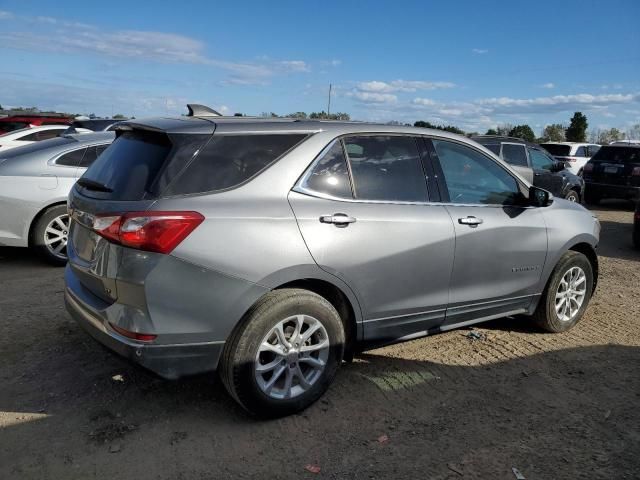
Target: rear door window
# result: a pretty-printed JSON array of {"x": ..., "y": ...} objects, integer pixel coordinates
[
  {"x": 386, "y": 168},
  {"x": 329, "y": 174},
  {"x": 71, "y": 159},
  {"x": 514, "y": 154},
  {"x": 91, "y": 155},
  {"x": 229, "y": 160},
  {"x": 494, "y": 147}
]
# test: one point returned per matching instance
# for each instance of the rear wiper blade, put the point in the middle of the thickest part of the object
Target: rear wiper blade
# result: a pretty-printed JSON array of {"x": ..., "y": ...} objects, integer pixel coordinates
[{"x": 93, "y": 185}]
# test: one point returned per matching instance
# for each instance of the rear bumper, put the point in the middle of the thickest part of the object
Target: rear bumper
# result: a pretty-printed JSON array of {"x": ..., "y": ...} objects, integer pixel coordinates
[
  {"x": 168, "y": 361},
  {"x": 613, "y": 191}
]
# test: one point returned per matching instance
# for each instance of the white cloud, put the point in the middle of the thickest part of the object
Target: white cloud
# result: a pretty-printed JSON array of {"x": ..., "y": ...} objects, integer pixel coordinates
[
  {"x": 5, "y": 15},
  {"x": 548, "y": 85},
  {"x": 294, "y": 66},
  {"x": 373, "y": 97},
  {"x": 425, "y": 102},
  {"x": 401, "y": 86},
  {"x": 60, "y": 36},
  {"x": 480, "y": 51},
  {"x": 555, "y": 103}
]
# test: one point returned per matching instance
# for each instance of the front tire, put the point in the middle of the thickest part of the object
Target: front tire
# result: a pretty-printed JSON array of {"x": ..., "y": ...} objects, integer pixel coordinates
[
  {"x": 573, "y": 196},
  {"x": 49, "y": 235},
  {"x": 284, "y": 354},
  {"x": 566, "y": 295}
]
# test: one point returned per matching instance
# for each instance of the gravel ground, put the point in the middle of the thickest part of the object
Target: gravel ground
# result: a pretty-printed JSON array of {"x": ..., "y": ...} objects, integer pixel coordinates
[{"x": 442, "y": 407}]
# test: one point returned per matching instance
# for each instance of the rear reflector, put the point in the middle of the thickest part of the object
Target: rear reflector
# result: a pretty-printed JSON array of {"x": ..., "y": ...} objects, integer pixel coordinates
[
  {"x": 142, "y": 337},
  {"x": 152, "y": 231}
]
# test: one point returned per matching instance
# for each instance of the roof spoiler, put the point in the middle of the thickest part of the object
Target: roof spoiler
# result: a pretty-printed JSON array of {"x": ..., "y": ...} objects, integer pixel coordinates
[{"x": 197, "y": 110}]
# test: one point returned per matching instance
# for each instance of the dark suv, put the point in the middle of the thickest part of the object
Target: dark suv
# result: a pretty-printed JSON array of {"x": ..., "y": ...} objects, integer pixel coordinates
[
  {"x": 613, "y": 172},
  {"x": 548, "y": 173}
]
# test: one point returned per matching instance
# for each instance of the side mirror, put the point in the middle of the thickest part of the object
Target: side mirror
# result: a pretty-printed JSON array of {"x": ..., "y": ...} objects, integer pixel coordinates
[
  {"x": 539, "y": 197},
  {"x": 557, "y": 166}
]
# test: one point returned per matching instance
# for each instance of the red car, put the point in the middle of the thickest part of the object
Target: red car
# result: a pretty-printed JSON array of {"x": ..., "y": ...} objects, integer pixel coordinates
[{"x": 16, "y": 122}]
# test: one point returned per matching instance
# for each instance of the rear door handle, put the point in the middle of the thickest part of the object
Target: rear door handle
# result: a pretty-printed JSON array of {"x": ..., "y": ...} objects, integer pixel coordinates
[
  {"x": 472, "y": 221},
  {"x": 338, "y": 219}
]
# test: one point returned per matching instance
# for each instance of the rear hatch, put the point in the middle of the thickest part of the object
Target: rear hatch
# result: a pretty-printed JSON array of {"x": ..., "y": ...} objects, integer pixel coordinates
[
  {"x": 129, "y": 176},
  {"x": 614, "y": 165}
]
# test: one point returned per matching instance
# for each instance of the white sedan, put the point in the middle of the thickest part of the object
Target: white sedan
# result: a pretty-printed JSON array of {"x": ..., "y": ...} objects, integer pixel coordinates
[{"x": 25, "y": 136}]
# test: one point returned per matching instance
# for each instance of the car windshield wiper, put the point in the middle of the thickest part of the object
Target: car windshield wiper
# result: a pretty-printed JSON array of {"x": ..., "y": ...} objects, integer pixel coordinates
[{"x": 93, "y": 185}]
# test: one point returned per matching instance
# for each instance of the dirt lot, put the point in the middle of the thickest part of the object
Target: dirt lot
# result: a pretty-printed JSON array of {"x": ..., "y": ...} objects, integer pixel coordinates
[{"x": 553, "y": 406}]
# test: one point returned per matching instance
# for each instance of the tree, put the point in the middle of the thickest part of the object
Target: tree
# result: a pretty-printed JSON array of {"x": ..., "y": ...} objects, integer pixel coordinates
[
  {"x": 553, "y": 133},
  {"x": 523, "y": 131},
  {"x": 119, "y": 116},
  {"x": 301, "y": 115},
  {"x": 606, "y": 136},
  {"x": 504, "y": 129},
  {"x": 331, "y": 116},
  {"x": 491, "y": 131},
  {"x": 577, "y": 131},
  {"x": 633, "y": 133},
  {"x": 446, "y": 128}
]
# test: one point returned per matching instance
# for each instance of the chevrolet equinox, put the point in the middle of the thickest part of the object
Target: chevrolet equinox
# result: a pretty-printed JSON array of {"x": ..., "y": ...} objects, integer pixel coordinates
[{"x": 271, "y": 250}]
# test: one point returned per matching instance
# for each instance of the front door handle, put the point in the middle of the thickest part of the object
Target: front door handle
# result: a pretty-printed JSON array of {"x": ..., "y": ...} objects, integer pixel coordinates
[
  {"x": 338, "y": 219},
  {"x": 471, "y": 221}
]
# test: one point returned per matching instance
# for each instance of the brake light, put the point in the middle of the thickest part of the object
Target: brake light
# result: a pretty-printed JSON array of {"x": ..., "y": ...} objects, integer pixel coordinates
[
  {"x": 588, "y": 167},
  {"x": 151, "y": 231},
  {"x": 142, "y": 337},
  {"x": 635, "y": 172}
]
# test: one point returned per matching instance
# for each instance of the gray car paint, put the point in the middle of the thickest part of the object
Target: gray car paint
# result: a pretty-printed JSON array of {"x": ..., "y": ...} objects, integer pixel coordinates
[
  {"x": 32, "y": 182},
  {"x": 406, "y": 269}
]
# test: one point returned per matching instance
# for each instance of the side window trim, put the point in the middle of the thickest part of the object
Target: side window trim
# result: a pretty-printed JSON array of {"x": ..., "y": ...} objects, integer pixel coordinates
[
  {"x": 446, "y": 200},
  {"x": 436, "y": 188},
  {"x": 54, "y": 161},
  {"x": 346, "y": 160}
]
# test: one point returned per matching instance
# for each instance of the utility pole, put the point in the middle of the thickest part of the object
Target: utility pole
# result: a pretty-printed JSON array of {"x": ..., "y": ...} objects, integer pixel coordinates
[{"x": 329, "y": 102}]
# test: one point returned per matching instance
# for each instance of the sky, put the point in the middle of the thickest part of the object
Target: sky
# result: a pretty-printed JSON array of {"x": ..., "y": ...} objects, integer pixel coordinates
[{"x": 471, "y": 64}]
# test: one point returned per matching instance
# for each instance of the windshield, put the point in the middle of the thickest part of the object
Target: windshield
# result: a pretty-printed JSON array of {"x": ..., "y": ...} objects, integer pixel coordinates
[{"x": 556, "y": 149}]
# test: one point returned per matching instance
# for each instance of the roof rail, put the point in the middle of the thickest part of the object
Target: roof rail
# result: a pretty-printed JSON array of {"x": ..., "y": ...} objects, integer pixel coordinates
[{"x": 197, "y": 110}]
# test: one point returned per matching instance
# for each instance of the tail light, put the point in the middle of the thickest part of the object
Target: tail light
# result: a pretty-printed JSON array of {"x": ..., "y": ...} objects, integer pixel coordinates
[
  {"x": 635, "y": 172},
  {"x": 150, "y": 231},
  {"x": 588, "y": 167},
  {"x": 142, "y": 337}
]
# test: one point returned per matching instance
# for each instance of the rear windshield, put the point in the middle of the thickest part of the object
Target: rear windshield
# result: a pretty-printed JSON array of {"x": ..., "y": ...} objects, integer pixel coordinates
[
  {"x": 144, "y": 165},
  {"x": 229, "y": 160},
  {"x": 557, "y": 150},
  {"x": 130, "y": 165},
  {"x": 36, "y": 147},
  {"x": 618, "y": 155}
]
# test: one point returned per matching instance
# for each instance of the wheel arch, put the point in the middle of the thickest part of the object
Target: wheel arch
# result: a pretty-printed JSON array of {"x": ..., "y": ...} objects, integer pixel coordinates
[
  {"x": 340, "y": 302},
  {"x": 590, "y": 252},
  {"x": 37, "y": 217}
]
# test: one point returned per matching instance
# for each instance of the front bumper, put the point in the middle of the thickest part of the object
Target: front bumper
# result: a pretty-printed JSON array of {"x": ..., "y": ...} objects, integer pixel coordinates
[{"x": 168, "y": 361}]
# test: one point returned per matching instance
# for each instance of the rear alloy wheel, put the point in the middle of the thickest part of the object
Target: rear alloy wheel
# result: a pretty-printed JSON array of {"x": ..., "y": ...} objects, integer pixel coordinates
[
  {"x": 573, "y": 196},
  {"x": 567, "y": 293},
  {"x": 284, "y": 354},
  {"x": 50, "y": 234}
]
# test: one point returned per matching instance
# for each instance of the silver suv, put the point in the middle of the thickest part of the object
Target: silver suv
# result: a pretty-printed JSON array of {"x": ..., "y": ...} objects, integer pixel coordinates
[{"x": 272, "y": 250}]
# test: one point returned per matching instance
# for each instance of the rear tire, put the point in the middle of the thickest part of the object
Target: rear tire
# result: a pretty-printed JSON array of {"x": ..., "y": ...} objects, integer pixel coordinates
[
  {"x": 292, "y": 372},
  {"x": 49, "y": 235},
  {"x": 567, "y": 294}
]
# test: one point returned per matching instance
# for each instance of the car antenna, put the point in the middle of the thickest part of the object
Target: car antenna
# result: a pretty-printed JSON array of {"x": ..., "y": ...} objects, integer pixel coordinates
[{"x": 197, "y": 110}]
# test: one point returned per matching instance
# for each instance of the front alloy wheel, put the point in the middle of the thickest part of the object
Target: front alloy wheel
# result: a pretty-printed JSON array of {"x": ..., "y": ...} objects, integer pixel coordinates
[{"x": 570, "y": 294}]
